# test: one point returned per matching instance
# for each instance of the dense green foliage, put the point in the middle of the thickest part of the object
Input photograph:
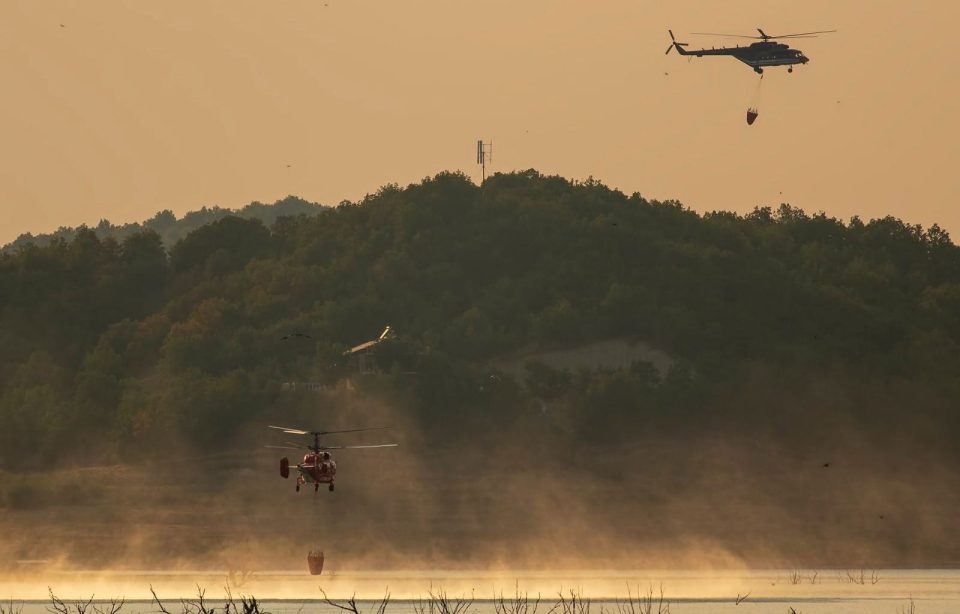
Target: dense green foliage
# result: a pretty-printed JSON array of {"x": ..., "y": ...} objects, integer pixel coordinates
[{"x": 110, "y": 341}]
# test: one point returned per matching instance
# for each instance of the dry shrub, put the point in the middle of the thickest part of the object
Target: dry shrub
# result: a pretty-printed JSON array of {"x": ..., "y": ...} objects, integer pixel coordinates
[
  {"x": 641, "y": 603},
  {"x": 350, "y": 605},
  {"x": 11, "y": 608},
  {"x": 573, "y": 603},
  {"x": 519, "y": 604},
  {"x": 440, "y": 603}
]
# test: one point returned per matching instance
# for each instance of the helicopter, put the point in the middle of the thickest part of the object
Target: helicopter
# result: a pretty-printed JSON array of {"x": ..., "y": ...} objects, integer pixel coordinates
[
  {"x": 317, "y": 467},
  {"x": 764, "y": 53}
]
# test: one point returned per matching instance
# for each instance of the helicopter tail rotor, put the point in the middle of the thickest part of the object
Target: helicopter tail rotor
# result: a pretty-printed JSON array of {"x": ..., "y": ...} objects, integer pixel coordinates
[{"x": 674, "y": 43}]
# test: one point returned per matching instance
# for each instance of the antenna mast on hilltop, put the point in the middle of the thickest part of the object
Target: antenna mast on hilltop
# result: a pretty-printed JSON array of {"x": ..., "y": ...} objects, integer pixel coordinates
[{"x": 484, "y": 155}]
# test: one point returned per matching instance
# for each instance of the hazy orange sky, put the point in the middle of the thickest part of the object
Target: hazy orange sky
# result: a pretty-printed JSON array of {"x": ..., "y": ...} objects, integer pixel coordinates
[{"x": 118, "y": 109}]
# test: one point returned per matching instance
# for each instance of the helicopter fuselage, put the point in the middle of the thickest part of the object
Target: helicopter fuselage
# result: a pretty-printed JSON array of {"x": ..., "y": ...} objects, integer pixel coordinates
[
  {"x": 317, "y": 468},
  {"x": 757, "y": 56}
]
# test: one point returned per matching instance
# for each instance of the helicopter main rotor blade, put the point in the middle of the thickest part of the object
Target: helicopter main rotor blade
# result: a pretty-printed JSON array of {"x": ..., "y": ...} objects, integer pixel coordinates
[
  {"x": 289, "y": 430},
  {"x": 282, "y": 447},
  {"x": 293, "y": 431},
  {"x": 382, "y": 445},
  {"x": 802, "y": 34},
  {"x": 766, "y": 37},
  {"x": 376, "y": 428},
  {"x": 727, "y": 35}
]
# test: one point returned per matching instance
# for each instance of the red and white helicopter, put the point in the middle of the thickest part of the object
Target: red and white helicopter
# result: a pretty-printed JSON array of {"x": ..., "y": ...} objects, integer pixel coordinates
[{"x": 317, "y": 466}]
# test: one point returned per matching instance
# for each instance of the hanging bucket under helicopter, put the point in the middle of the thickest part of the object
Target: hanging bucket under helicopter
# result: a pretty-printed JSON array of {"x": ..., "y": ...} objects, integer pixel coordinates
[{"x": 315, "y": 562}]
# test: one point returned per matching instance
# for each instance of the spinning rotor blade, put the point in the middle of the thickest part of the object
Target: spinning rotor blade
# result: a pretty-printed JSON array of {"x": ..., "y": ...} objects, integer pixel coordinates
[
  {"x": 726, "y": 35},
  {"x": 289, "y": 430},
  {"x": 292, "y": 431},
  {"x": 376, "y": 428},
  {"x": 766, "y": 37},
  {"x": 802, "y": 34},
  {"x": 382, "y": 445},
  {"x": 282, "y": 447}
]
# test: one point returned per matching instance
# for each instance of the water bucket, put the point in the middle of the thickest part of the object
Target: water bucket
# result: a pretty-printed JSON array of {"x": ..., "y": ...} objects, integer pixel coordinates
[{"x": 315, "y": 562}]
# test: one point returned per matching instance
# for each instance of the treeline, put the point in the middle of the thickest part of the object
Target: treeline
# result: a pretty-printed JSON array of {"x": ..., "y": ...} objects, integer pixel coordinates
[
  {"x": 169, "y": 227},
  {"x": 108, "y": 343}
]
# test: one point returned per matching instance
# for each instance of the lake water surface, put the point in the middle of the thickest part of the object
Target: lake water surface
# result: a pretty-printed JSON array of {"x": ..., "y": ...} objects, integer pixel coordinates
[{"x": 687, "y": 592}]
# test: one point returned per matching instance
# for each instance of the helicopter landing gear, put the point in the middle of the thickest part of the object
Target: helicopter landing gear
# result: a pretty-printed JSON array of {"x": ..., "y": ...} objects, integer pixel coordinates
[
  {"x": 298, "y": 488},
  {"x": 790, "y": 69},
  {"x": 331, "y": 486},
  {"x": 316, "y": 487},
  {"x": 758, "y": 70}
]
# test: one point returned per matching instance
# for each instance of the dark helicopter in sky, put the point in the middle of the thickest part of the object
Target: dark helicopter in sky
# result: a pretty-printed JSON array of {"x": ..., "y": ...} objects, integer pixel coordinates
[{"x": 759, "y": 55}]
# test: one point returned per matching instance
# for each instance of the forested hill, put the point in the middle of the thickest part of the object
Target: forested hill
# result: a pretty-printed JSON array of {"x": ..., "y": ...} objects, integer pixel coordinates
[
  {"x": 170, "y": 228},
  {"x": 766, "y": 316}
]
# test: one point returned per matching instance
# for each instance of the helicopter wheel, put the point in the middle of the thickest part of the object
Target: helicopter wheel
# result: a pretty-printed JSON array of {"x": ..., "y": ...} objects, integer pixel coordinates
[
  {"x": 316, "y": 487},
  {"x": 298, "y": 488},
  {"x": 331, "y": 486},
  {"x": 790, "y": 69}
]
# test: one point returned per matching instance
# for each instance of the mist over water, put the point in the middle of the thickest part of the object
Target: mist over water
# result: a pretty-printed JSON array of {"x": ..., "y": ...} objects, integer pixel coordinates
[{"x": 491, "y": 502}]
